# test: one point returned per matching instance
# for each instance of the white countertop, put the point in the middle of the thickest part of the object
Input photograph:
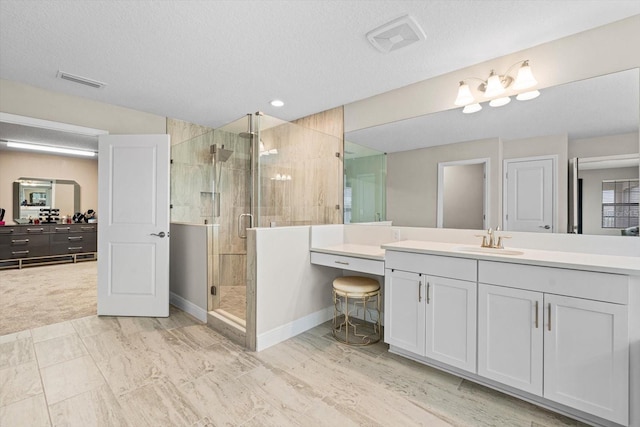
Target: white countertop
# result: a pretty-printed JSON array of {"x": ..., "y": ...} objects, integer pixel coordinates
[
  {"x": 573, "y": 260},
  {"x": 354, "y": 250}
]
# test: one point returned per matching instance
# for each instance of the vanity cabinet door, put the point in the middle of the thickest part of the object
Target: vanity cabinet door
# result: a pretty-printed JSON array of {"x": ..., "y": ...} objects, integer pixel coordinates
[
  {"x": 510, "y": 337},
  {"x": 451, "y": 322},
  {"x": 586, "y": 356},
  {"x": 404, "y": 310}
]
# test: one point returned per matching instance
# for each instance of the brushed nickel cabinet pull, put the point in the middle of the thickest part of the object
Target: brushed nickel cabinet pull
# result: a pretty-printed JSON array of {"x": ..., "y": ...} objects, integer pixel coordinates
[
  {"x": 549, "y": 323},
  {"x": 419, "y": 292},
  {"x": 63, "y": 228},
  {"x": 19, "y": 252},
  {"x": 536, "y": 314},
  {"x": 428, "y": 287},
  {"x": 341, "y": 262},
  {"x": 19, "y": 241},
  {"x": 35, "y": 230},
  {"x": 72, "y": 238},
  {"x": 75, "y": 248}
]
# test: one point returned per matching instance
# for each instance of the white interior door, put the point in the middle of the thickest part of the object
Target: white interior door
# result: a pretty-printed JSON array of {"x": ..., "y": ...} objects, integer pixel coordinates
[
  {"x": 529, "y": 195},
  {"x": 133, "y": 229}
]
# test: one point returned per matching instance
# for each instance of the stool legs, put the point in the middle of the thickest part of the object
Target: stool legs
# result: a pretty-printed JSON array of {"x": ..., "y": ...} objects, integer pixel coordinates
[{"x": 341, "y": 307}]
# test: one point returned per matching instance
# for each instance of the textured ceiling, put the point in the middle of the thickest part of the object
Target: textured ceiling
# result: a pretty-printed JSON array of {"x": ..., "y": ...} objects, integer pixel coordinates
[{"x": 211, "y": 62}]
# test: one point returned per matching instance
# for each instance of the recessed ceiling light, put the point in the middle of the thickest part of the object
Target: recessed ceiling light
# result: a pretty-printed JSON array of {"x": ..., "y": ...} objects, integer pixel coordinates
[{"x": 277, "y": 103}]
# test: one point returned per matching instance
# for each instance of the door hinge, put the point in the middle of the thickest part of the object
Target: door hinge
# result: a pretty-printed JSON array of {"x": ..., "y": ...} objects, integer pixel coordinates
[
  {"x": 214, "y": 290},
  {"x": 171, "y": 161}
]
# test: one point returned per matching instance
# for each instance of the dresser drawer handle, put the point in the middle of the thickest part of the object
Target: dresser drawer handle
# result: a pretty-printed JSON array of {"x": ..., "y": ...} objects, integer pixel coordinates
[
  {"x": 19, "y": 252},
  {"x": 342, "y": 262},
  {"x": 88, "y": 228},
  {"x": 63, "y": 228},
  {"x": 10, "y": 230},
  {"x": 75, "y": 248},
  {"x": 72, "y": 238},
  {"x": 35, "y": 230},
  {"x": 20, "y": 242}
]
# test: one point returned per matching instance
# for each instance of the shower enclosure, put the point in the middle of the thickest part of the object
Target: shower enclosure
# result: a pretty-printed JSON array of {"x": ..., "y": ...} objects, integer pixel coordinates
[{"x": 257, "y": 171}]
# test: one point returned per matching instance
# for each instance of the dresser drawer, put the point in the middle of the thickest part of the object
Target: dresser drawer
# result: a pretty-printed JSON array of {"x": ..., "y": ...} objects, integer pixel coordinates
[
  {"x": 72, "y": 237},
  {"x": 64, "y": 248},
  {"x": 32, "y": 229},
  {"x": 434, "y": 265},
  {"x": 361, "y": 265},
  {"x": 22, "y": 246}
]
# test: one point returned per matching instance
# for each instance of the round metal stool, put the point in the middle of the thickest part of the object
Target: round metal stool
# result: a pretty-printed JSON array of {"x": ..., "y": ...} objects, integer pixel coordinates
[{"x": 356, "y": 310}]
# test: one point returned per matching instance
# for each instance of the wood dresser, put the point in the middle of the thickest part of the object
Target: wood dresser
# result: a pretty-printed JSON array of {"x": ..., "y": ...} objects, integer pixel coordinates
[{"x": 24, "y": 245}]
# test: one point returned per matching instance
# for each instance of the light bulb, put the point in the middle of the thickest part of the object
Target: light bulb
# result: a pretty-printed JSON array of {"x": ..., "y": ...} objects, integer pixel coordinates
[
  {"x": 464, "y": 95},
  {"x": 499, "y": 102},
  {"x": 472, "y": 108},
  {"x": 524, "y": 79},
  {"x": 494, "y": 86},
  {"x": 525, "y": 96}
]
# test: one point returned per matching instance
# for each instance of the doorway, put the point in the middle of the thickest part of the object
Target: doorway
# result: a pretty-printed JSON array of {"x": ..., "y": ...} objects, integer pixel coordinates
[{"x": 463, "y": 194}]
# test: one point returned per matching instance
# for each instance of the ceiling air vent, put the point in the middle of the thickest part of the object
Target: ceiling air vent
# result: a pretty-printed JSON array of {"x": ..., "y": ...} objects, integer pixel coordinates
[
  {"x": 396, "y": 34},
  {"x": 81, "y": 80}
]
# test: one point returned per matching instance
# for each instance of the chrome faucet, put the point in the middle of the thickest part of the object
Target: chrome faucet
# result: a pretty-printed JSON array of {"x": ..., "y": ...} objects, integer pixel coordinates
[{"x": 491, "y": 239}]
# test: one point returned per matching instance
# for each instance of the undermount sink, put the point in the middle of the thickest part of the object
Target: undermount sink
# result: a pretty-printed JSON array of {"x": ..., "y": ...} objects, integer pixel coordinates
[{"x": 496, "y": 251}]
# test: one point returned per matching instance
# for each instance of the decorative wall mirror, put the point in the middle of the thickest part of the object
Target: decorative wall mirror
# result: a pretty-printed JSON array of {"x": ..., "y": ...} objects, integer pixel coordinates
[
  {"x": 595, "y": 117},
  {"x": 32, "y": 194}
]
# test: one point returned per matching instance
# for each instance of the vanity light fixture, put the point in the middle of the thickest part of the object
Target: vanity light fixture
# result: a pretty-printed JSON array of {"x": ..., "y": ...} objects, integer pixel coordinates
[
  {"x": 50, "y": 149},
  {"x": 496, "y": 85}
]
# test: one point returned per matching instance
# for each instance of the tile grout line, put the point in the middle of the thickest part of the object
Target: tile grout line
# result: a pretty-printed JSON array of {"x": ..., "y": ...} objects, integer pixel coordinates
[{"x": 44, "y": 393}]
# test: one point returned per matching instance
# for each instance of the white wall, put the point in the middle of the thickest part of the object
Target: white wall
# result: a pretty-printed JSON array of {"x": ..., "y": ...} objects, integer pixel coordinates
[
  {"x": 292, "y": 295},
  {"x": 412, "y": 180},
  {"x": 463, "y": 196},
  {"x": 30, "y": 101},
  {"x": 188, "y": 270},
  {"x": 609, "y": 145}
]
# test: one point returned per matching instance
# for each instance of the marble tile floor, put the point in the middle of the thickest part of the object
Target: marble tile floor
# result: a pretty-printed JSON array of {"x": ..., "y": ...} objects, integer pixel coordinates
[
  {"x": 233, "y": 300},
  {"x": 41, "y": 295},
  {"x": 175, "y": 371}
]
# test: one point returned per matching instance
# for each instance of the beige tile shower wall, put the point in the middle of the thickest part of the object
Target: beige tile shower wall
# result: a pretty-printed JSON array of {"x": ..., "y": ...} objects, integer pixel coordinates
[
  {"x": 191, "y": 172},
  {"x": 181, "y": 131},
  {"x": 306, "y": 152}
]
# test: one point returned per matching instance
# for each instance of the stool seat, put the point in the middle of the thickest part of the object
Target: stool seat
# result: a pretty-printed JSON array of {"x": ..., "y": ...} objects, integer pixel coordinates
[{"x": 355, "y": 284}]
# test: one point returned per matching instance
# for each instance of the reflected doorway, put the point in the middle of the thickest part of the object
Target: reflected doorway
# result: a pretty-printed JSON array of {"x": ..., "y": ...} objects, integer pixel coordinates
[{"x": 463, "y": 194}]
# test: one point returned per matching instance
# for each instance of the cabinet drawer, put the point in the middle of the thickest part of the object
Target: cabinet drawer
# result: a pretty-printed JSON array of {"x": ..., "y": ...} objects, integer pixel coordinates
[
  {"x": 63, "y": 248},
  {"x": 32, "y": 229},
  {"x": 7, "y": 230},
  {"x": 362, "y": 265},
  {"x": 73, "y": 238},
  {"x": 560, "y": 281},
  {"x": 434, "y": 265},
  {"x": 21, "y": 246}
]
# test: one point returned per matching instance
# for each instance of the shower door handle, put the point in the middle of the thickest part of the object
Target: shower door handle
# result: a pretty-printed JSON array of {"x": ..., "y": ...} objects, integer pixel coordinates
[{"x": 242, "y": 231}]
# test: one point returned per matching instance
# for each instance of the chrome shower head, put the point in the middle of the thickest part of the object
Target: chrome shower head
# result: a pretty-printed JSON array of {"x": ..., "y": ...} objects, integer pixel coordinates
[{"x": 220, "y": 154}]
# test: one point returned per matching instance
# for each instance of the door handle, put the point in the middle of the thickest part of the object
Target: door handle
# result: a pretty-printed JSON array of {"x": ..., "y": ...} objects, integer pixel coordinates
[
  {"x": 160, "y": 234},
  {"x": 240, "y": 228},
  {"x": 546, "y": 227}
]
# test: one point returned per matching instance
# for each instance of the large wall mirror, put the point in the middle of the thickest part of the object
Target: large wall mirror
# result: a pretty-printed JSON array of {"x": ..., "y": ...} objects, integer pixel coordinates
[
  {"x": 594, "y": 120},
  {"x": 32, "y": 194}
]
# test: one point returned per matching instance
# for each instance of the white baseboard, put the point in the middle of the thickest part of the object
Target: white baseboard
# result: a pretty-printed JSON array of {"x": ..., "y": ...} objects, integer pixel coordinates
[
  {"x": 291, "y": 329},
  {"x": 188, "y": 307}
]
